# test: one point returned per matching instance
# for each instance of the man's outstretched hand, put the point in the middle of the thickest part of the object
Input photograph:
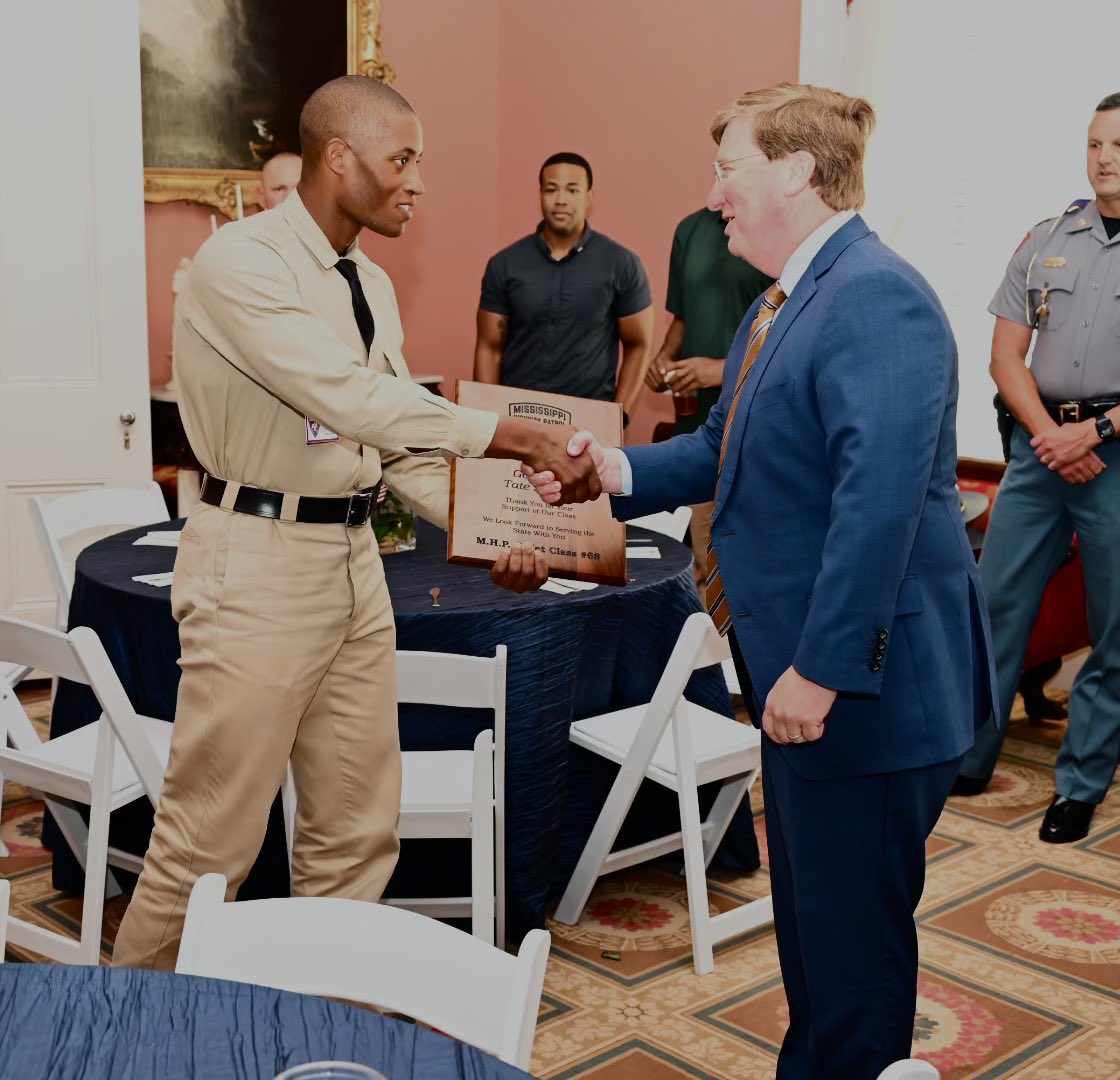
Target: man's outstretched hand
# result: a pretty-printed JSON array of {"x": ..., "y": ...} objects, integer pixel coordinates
[
  {"x": 546, "y": 448},
  {"x": 550, "y": 487}
]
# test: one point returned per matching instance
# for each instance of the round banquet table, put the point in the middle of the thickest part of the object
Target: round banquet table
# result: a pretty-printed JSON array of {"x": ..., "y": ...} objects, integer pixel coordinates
[
  {"x": 570, "y": 656},
  {"x": 66, "y": 1022}
]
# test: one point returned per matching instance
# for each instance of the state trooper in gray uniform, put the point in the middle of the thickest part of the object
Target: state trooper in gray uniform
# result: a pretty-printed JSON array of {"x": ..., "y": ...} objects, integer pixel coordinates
[{"x": 1062, "y": 288}]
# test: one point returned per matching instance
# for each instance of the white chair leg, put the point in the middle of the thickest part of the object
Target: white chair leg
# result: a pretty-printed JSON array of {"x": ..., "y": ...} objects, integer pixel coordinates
[
  {"x": 692, "y": 839},
  {"x": 4, "y": 852},
  {"x": 599, "y": 843},
  {"x": 500, "y": 842},
  {"x": 76, "y": 834},
  {"x": 482, "y": 839},
  {"x": 5, "y": 896},
  {"x": 499, "y": 870},
  {"x": 97, "y": 850},
  {"x": 722, "y": 811},
  {"x": 288, "y": 802}
]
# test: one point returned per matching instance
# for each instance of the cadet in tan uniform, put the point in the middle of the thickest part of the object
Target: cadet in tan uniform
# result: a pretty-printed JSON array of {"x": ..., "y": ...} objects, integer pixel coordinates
[
  {"x": 1062, "y": 288},
  {"x": 297, "y": 401}
]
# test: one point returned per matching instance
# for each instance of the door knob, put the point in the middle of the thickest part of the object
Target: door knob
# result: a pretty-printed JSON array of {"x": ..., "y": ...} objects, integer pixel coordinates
[{"x": 128, "y": 418}]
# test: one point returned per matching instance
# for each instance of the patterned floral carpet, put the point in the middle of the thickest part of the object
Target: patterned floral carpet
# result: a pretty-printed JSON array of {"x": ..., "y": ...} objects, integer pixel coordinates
[{"x": 1020, "y": 949}]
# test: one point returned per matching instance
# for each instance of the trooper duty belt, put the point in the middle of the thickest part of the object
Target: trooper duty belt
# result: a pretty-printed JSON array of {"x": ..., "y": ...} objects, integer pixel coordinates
[{"x": 1073, "y": 412}]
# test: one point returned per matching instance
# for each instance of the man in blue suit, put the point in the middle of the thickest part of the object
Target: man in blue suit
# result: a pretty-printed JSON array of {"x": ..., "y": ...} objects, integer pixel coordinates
[{"x": 840, "y": 565}]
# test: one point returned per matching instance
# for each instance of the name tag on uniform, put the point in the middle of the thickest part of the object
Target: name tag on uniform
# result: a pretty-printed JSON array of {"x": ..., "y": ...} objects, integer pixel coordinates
[
  {"x": 318, "y": 433},
  {"x": 1053, "y": 260}
]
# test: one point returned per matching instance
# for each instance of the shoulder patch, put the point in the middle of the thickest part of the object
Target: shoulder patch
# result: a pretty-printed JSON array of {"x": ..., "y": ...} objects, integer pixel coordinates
[{"x": 1074, "y": 207}]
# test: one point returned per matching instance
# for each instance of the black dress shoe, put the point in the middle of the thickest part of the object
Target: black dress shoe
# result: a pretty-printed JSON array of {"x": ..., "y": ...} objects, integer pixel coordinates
[
  {"x": 969, "y": 785},
  {"x": 1043, "y": 708},
  {"x": 1066, "y": 821}
]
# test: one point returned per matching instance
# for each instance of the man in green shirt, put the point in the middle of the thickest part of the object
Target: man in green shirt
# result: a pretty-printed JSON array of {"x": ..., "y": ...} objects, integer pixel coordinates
[{"x": 709, "y": 292}]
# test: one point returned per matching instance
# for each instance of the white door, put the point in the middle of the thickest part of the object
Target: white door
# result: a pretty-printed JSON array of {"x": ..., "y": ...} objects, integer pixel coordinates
[{"x": 73, "y": 339}]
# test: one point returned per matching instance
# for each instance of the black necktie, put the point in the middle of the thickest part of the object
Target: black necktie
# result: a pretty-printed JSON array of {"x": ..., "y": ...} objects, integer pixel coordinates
[{"x": 362, "y": 314}]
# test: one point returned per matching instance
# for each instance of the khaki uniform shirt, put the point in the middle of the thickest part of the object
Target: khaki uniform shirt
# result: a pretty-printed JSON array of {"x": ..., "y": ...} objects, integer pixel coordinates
[
  {"x": 265, "y": 337},
  {"x": 1077, "y": 349}
]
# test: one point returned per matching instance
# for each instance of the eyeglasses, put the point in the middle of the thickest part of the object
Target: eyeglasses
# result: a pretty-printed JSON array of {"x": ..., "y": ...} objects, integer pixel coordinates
[{"x": 720, "y": 167}]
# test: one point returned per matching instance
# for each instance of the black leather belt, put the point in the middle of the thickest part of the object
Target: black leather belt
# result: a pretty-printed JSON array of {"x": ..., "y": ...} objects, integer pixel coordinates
[
  {"x": 349, "y": 510},
  {"x": 1073, "y": 412}
]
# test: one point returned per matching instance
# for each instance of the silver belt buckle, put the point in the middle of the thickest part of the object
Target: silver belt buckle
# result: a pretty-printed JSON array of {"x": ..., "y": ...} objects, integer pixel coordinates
[
  {"x": 1069, "y": 412},
  {"x": 357, "y": 510}
]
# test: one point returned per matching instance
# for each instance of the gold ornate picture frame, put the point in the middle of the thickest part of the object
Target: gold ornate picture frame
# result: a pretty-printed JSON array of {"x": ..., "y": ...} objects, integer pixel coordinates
[{"x": 217, "y": 187}]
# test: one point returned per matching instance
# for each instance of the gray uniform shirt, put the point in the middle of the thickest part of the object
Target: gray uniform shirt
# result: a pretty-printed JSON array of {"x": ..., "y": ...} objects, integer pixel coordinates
[{"x": 1077, "y": 349}]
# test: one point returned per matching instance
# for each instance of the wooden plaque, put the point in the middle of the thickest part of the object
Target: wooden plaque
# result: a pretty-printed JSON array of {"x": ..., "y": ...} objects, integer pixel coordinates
[{"x": 493, "y": 505}]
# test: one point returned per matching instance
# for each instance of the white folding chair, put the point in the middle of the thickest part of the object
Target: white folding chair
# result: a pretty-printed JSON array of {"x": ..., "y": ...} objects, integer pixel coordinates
[
  {"x": 910, "y": 1069},
  {"x": 371, "y": 953},
  {"x": 454, "y": 793},
  {"x": 84, "y": 766},
  {"x": 67, "y": 523},
  {"x": 11, "y": 675},
  {"x": 14, "y": 674},
  {"x": 5, "y": 894},
  {"x": 672, "y": 523},
  {"x": 679, "y": 745}
]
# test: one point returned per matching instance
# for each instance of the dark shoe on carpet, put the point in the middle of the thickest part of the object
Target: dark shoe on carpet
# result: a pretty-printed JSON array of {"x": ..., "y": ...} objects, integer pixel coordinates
[
  {"x": 1066, "y": 821},
  {"x": 1043, "y": 708},
  {"x": 969, "y": 785}
]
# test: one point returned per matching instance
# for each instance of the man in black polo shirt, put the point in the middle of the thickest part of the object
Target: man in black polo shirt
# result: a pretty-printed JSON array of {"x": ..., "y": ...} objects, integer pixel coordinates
[{"x": 556, "y": 304}]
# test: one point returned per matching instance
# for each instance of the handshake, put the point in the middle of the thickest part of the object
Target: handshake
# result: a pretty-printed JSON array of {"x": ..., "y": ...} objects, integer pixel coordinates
[
  {"x": 550, "y": 477},
  {"x": 564, "y": 466}
]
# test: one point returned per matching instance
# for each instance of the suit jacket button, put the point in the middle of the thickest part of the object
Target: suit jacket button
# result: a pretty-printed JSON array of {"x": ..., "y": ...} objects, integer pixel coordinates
[
  {"x": 875, "y": 665},
  {"x": 883, "y": 635}
]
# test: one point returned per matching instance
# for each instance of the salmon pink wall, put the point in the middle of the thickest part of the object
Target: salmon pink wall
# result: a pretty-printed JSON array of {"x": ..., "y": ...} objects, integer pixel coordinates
[
  {"x": 174, "y": 231},
  {"x": 498, "y": 86}
]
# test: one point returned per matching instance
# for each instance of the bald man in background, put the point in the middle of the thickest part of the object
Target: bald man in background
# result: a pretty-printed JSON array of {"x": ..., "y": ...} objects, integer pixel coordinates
[
  {"x": 296, "y": 400},
  {"x": 279, "y": 177}
]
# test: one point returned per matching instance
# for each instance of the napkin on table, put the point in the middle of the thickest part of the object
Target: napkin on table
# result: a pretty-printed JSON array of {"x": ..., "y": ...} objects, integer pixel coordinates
[
  {"x": 166, "y": 538},
  {"x": 159, "y": 580}
]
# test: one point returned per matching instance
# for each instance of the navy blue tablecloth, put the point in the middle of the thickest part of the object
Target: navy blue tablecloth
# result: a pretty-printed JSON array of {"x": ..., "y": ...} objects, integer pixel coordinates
[
  {"x": 62, "y": 1022},
  {"x": 570, "y": 657}
]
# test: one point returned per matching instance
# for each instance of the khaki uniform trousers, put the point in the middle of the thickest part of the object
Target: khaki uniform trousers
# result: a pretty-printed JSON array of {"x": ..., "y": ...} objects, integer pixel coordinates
[{"x": 288, "y": 652}]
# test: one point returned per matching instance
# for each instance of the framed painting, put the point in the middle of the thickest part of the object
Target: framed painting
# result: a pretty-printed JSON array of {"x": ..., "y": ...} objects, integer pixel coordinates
[{"x": 223, "y": 82}]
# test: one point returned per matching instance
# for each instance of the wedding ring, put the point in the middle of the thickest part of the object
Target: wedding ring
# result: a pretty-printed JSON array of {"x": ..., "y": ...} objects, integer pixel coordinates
[{"x": 796, "y": 738}]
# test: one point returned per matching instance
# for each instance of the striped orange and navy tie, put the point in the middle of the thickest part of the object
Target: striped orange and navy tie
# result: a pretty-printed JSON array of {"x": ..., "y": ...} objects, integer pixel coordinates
[{"x": 713, "y": 584}]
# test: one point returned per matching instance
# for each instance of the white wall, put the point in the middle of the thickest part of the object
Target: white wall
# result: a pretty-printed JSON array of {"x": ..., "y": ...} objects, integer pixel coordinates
[{"x": 983, "y": 107}]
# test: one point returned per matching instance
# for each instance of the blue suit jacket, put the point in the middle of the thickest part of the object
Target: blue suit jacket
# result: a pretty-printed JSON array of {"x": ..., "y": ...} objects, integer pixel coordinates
[{"x": 837, "y": 526}]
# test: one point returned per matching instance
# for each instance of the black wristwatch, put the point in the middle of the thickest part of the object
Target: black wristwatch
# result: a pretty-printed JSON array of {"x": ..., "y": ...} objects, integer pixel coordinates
[{"x": 1106, "y": 430}]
